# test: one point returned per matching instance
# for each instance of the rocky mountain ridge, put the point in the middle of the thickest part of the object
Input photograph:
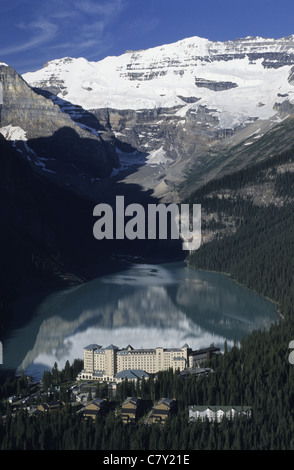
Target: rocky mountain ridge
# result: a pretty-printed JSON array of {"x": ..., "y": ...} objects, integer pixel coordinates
[
  {"x": 169, "y": 106},
  {"x": 53, "y": 144}
]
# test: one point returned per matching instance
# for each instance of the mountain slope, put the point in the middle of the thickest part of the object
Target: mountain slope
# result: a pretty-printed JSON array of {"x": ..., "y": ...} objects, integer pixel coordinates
[
  {"x": 257, "y": 143},
  {"x": 53, "y": 144},
  {"x": 247, "y": 227}
]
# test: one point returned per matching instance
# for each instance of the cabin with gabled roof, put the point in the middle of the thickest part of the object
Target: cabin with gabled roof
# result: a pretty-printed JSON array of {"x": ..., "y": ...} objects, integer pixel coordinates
[
  {"x": 97, "y": 407},
  {"x": 163, "y": 409},
  {"x": 131, "y": 409}
]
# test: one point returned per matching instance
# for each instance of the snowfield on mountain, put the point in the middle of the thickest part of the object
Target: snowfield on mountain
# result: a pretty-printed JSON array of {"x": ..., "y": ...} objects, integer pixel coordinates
[{"x": 249, "y": 72}]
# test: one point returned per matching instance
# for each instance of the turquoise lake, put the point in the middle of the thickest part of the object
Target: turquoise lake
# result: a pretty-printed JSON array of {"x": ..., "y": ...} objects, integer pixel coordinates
[{"x": 146, "y": 306}]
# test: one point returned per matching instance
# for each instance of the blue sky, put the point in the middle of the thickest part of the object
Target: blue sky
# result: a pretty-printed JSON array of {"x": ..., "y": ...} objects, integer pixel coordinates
[{"x": 33, "y": 32}]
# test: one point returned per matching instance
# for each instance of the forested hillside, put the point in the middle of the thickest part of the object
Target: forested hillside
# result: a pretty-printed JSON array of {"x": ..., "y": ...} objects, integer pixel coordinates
[{"x": 259, "y": 253}]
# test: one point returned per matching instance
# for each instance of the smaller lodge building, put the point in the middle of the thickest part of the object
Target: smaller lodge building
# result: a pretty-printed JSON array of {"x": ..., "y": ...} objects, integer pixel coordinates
[{"x": 217, "y": 413}]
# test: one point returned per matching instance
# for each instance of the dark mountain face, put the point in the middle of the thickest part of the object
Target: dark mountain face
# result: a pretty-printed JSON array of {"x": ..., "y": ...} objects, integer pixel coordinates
[
  {"x": 50, "y": 140},
  {"x": 35, "y": 220},
  {"x": 46, "y": 222},
  {"x": 46, "y": 197},
  {"x": 46, "y": 232},
  {"x": 45, "y": 225}
]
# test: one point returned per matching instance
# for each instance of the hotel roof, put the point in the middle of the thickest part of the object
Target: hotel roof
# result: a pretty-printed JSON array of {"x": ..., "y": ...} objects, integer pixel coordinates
[
  {"x": 131, "y": 374},
  {"x": 90, "y": 347}
]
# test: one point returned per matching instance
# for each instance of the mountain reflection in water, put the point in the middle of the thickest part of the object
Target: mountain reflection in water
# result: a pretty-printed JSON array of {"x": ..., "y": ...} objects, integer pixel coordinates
[{"x": 145, "y": 306}]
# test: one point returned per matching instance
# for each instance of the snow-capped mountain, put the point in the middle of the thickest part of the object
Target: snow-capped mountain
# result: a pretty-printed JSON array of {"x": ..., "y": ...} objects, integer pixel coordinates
[
  {"x": 172, "y": 103},
  {"x": 245, "y": 73}
]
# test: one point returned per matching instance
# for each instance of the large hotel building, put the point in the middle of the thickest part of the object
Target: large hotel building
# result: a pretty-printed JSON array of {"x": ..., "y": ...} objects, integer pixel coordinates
[{"x": 107, "y": 363}]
